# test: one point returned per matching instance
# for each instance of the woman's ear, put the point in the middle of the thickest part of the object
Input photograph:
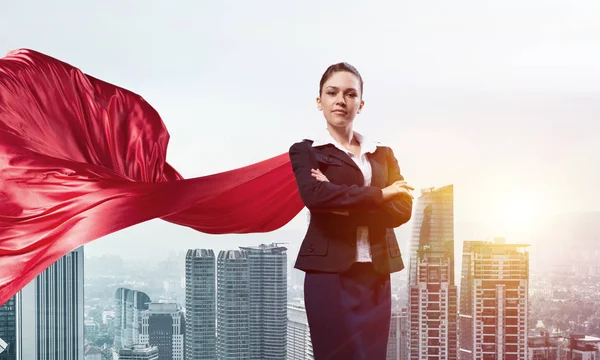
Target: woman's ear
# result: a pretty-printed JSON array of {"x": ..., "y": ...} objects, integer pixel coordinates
[{"x": 362, "y": 103}]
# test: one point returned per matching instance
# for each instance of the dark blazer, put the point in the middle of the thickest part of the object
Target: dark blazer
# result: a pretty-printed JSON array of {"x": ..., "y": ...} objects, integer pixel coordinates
[{"x": 330, "y": 241}]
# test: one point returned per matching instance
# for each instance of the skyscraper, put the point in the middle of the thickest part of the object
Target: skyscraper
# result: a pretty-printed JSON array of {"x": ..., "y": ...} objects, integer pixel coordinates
[
  {"x": 494, "y": 301},
  {"x": 233, "y": 306},
  {"x": 398, "y": 340},
  {"x": 432, "y": 304},
  {"x": 163, "y": 326},
  {"x": 433, "y": 226},
  {"x": 50, "y": 312},
  {"x": 200, "y": 304},
  {"x": 299, "y": 344},
  {"x": 252, "y": 303},
  {"x": 8, "y": 330},
  {"x": 267, "y": 266},
  {"x": 129, "y": 305}
]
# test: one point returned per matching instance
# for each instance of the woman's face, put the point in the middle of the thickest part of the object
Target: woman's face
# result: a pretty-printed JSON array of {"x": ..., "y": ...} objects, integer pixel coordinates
[{"x": 340, "y": 98}]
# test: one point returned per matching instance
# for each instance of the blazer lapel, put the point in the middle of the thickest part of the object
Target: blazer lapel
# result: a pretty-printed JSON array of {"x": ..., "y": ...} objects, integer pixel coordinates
[
  {"x": 378, "y": 169},
  {"x": 379, "y": 176},
  {"x": 332, "y": 151}
]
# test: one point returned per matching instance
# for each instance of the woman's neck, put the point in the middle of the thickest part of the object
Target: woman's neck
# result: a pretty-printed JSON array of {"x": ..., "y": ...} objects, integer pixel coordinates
[{"x": 343, "y": 135}]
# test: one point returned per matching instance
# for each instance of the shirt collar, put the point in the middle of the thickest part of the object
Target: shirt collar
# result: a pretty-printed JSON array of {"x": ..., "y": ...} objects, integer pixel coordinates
[{"x": 366, "y": 145}]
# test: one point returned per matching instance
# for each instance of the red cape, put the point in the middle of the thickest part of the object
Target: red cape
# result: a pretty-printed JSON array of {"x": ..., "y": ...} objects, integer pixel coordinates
[{"x": 81, "y": 158}]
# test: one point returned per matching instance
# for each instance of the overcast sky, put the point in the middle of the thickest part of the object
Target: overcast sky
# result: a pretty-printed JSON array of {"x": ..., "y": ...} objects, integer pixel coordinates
[{"x": 500, "y": 98}]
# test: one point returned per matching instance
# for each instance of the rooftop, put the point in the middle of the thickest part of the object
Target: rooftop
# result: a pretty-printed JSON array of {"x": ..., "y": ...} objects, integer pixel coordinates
[{"x": 200, "y": 253}]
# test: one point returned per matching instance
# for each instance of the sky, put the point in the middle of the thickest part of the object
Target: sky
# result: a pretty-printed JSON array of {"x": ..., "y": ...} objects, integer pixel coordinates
[{"x": 500, "y": 98}]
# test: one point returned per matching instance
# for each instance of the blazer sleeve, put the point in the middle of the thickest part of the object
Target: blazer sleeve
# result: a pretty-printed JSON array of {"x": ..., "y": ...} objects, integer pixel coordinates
[
  {"x": 394, "y": 212},
  {"x": 325, "y": 196}
]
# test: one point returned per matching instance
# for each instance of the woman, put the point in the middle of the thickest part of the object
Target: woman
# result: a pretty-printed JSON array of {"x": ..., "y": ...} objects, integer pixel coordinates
[{"x": 356, "y": 196}]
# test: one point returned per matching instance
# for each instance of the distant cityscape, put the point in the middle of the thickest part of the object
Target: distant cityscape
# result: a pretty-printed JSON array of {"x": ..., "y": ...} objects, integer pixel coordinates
[{"x": 500, "y": 299}]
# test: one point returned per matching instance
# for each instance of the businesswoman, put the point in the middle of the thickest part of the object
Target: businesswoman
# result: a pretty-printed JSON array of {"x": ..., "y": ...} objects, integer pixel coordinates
[{"x": 356, "y": 196}]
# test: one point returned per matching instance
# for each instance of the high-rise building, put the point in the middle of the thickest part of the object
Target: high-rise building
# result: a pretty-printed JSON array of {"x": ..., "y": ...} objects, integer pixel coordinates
[
  {"x": 494, "y": 301},
  {"x": 8, "y": 330},
  {"x": 299, "y": 344},
  {"x": 163, "y": 326},
  {"x": 267, "y": 266},
  {"x": 433, "y": 226},
  {"x": 252, "y": 303},
  {"x": 3, "y": 345},
  {"x": 50, "y": 312},
  {"x": 233, "y": 306},
  {"x": 200, "y": 304},
  {"x": 139, "y": 352},
  {"x": 129, "y": 305},
  {"x": 432, "y": 307},
  {"x": 398, "y": 340}
]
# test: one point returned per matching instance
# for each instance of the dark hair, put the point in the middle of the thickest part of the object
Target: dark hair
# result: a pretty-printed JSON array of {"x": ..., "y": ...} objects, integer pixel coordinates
[{"x": 343, "y": 66}]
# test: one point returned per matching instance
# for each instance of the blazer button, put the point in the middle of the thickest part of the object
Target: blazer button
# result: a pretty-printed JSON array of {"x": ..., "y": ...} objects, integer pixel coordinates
[{"x": 311, "y": 248}]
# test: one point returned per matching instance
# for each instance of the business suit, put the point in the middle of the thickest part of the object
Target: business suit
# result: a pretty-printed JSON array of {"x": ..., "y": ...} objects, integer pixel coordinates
[{"x": 348, "y": 302}]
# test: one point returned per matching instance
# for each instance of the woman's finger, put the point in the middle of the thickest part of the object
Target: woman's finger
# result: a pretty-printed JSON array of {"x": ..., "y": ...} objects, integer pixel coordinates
[
  {"x": 403, "y": 184},
  {"x": 406, "y": 191}
]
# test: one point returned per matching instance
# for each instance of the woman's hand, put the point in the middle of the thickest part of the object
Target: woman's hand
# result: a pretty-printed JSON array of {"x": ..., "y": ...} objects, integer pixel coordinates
[
  {"x": 321, "y": 177},
  {"x": 318, "y": 175},
  {"x": 397, "y": 188}
]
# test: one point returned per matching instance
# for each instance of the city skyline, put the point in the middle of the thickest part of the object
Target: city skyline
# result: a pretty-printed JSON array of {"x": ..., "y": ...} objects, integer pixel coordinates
[{"x": 440, "y": 200}]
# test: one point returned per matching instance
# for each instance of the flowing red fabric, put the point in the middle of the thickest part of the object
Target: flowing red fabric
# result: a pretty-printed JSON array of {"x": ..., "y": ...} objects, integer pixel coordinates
[{"x": 81, "y": 158}]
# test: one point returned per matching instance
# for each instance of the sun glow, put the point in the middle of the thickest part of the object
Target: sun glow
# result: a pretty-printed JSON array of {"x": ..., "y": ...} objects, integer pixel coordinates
[{"x": 516, "y": 214}]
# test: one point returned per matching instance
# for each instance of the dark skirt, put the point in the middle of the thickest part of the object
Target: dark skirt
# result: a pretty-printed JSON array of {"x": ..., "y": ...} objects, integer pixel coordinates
[{"x": 348, "y": 313}]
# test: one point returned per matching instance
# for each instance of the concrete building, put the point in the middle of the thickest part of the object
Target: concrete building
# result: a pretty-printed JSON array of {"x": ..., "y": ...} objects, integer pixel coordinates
[
  {"x": 398, "y": 340},
  {"x": 544, "y": 346},
  {"x": 50, "y": 312},
  {"x": 163, "y": 326},
  {"x": 299, "y": 344},
  {"x": 8, "y": 330},
  {"x": 583, "y": 347},
  {"x": 252, "y": 303},
  {"x": 200, "y": 300},
  {"x": 233, "y": 306},
  {"x": 139, "y": 352},
  {"x": 432, "y": 303},
  {"x": 129, "y": 305},
  {"x": 267, "y": 267},
  {"x": 494, "y": 311}
]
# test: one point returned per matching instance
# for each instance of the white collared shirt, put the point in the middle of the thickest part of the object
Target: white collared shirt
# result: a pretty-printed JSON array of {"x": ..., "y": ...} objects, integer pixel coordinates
[{"x": 363, "y": 247}]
